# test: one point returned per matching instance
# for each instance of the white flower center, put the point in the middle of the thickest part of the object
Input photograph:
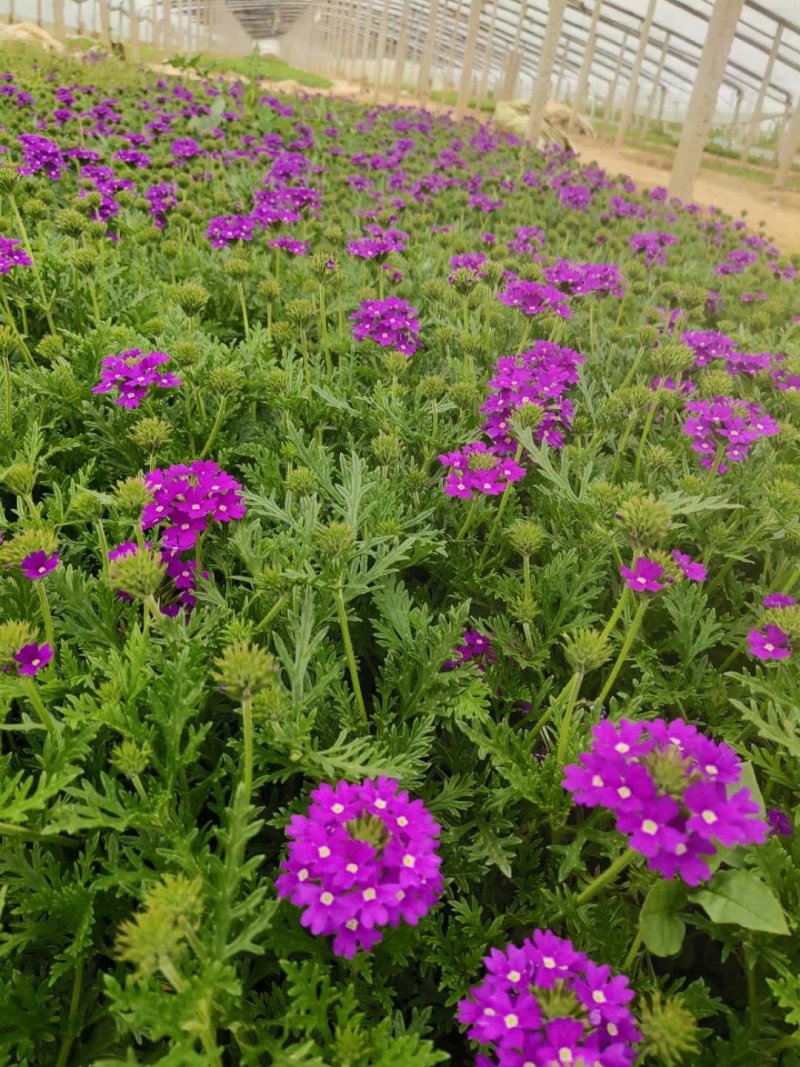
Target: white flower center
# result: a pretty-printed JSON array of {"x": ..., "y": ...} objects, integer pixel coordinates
[{"x": 649, "y": 827}]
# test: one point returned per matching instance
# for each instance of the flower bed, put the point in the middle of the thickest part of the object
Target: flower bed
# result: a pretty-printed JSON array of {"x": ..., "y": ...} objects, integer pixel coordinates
[{"x": 397, "y": 615}]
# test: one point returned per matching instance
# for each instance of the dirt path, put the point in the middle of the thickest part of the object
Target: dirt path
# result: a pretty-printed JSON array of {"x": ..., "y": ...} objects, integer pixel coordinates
[{"x": 779, "y": 209}]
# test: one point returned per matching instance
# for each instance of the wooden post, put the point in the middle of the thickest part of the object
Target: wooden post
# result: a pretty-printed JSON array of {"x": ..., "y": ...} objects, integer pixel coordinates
[
  {"x": 381, "y": 48},
  {"x": 755, "y": 121},
  {"x": 629, "y": 104},
  {"x": 708, "y": 78},
  {"x": 133, "y": 32},
  {"x": 469, "y": 56},
  {"x": 483, "y": 87},
  {"x": 451, "y": 59},
  {"x": 58, "y": 20},
  {"x": 547, "y": 55}
]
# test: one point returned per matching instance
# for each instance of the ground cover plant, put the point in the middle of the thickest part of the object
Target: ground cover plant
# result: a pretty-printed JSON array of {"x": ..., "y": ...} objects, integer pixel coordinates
[{"x": 398, "y": 619}]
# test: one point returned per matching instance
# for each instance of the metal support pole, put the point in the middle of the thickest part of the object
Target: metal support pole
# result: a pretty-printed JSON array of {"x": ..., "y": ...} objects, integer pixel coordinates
[
  {"x": 133, "y": 32},
  {"x": 651, "y": 100},
  {"x": 582, "y": 88},
  {"x": 451, "y": 59},
  {"x": 708, "y": 78},
  {"x": 431, "y": 40},
  {"x": 469, "y": 57},
  {"x": 789, "y": 145},
  {"x": 58, "y": 20},
  {"x": 402, "y": 50},
  {"x": 659, "y": 117},
  {"x": 611, "y": 100},
  {"x": 629, "y": 104},
  {"x": 562, "y": 70},
  {"x": 547, "y": 55},
  {"x": 487, "y": 57},
  {"x": 379, "y": 54},
  {"x": 755, "y": 121},
  {"x": 105, "y": 23},
  {"x": 734, "y": 123}
]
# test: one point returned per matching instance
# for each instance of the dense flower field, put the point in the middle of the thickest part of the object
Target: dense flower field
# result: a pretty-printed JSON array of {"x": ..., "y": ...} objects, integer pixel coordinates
[{"x": 397, "y": 618}]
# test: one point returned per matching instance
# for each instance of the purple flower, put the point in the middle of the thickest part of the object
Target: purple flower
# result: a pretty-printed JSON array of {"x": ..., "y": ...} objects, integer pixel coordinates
[
  {"x": 475, "y": 647},
  {"x": 162, "y": 198},
  {"x": 778, "y": 600},
  {"x": 510, "y": 1012},
  {"x": 674, "y": 791},
  {"x": 224, "y": 229},
  {"x": 32, "y": 658},
  {"x": 533, "y": 298},
  {"x": 362, "y": 858},
  {"x": 769, "y": 643},
  {"x": 132, "y": 374},
  {"x": 38, "y": 565},
  {"x": 40, "y": 153},
  {"x": 541, "y": 376},
  {"x": 644, "y": 576},
  {"x": 392, "y": 322},
  {"x": 579, "y": 279},
  {"x": 726, "y": 427},
  {"x": 779, "y": 822},
  {"x": 653, "y": 246},
  {"x": 12, "y": 255},
  {"x": 479, "y": 468},
  {"x": 186, "y": 498},
  {"x": 695, "y": 572}
]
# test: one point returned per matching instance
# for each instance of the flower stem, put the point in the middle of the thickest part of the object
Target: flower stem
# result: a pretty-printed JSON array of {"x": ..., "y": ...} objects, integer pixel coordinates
[
  {"x": 348, "y": 650},
  {"x": 47, "y": 617},
  {"x": 614, "y": 619},
  {"x": 32, "y": 693},
  {"x": 323, "y": 329},
  {"x": 566, "y": 718},
  {"x": 630, "y": 637},
  {"x": 101, "y": 537},
  {"x": 276, "y": 608},
  {"x": 34, "y": 265},
  {"x": 70, "y": 1032},
  {"x": 215, "y": 428},
  {"x": 499, "y": 513},
  {"x": 467, "y": 523},
  {"x": 635, "y": 946},
  {"x": 7, "y": 376},
  {"x": 648, "y": 422},
  {"x": 243, "y": 304},
  {"x": 10, "y": 318},
  {"x": 247, "y": 735},
  {"x": 608, "y": 875}
]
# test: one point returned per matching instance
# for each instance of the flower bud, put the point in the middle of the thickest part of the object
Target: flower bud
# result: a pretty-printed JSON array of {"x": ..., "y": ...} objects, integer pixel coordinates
[
  {"x": 51, "y": 347},
  {"x": 14, "y": 635},
  {"x": 20, "y": 478},
  {"x": 586, "y": 650},
  {"x": 151, "y": 433},
  {"x": 226, "y": 380},
  {"x": 300, "y": 480},
  {"x": 525, "y": 537},
  {"x": 87, "y": 505},
  {"x": 131, "y": 758},
  {"x": 130, "y": 496},
  {"x": 244, "y": 670},
  {"x": 71, "y": 222},
  {"x": 645, "y": 520},
  {"x": 394, "y": 363},
  {"x": 8, "y": 180},
  {"x": 386, "y": 447},
  {"x": 139, "y": 574},
  {"x": 237, "y": 268},
  {"x": 669, "y": 1031},
  {"x": 185, "y": 353},
  {"x": 334, "y": 539},
  {"x": 84, "y": 260},
  {"x": 191, "y": 297}
]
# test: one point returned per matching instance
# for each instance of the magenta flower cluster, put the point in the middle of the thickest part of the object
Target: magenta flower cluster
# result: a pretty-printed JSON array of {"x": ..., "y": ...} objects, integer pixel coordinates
[
  {"x": 653, "y": 246},
  {"x": 534, "y": 298},
  {"x": 12, "y": 255},
  {"x": 770, "y": 641},
  {"x": 131, "y": 374},
  {"x": 650, "y": 576},
  {"x": 674, "y": 792},
  {"x": 363, "y": 857},
  {"x": 723, "y": 429},
  {"x": 182, "y": 574},
  {"x": 580, "y": 279},
  {"x": 392, "y": 323},
  {"x": 522, "y": 1013},
  {"x": 475, "y": 648},
  {"x": 541, "y": 376},
  {"x": 186, "y": 498},
  {"x": 479, "y": 468}
]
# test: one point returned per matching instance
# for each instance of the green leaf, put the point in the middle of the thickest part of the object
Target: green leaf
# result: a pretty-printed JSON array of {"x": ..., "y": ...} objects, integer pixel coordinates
[
  {"x": 741, "y": 898},
  {"x": 660, "y": 925}
]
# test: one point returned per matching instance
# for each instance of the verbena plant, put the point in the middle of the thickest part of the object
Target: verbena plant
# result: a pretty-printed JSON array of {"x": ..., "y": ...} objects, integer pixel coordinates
[{"x": 357, "y": 452}]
